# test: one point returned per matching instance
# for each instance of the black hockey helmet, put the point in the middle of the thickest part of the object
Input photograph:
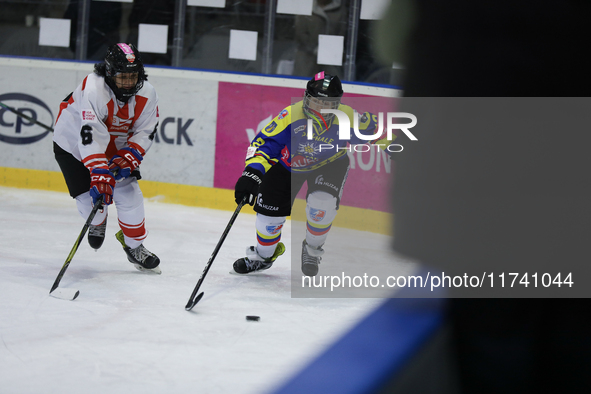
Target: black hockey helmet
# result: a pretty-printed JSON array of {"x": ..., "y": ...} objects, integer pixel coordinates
[
  {"x": 124, "y": 58},
  {"x": 323, "y": 91}
]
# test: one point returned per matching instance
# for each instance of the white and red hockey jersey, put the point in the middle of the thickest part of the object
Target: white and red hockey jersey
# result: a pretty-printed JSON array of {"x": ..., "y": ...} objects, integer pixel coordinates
[{"x": 92, "y": 124}]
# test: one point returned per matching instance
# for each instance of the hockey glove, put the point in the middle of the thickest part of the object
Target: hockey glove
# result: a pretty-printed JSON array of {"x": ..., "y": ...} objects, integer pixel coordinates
[
  {"x": 248, "y": 185},
  {"x": 124, "y": 162},
  {"x": 102, "y": 182}
]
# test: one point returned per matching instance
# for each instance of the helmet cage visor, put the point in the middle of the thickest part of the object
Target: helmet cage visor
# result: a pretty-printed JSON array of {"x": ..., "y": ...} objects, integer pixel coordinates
[
  {"x": 126, "y": 79},
  {"x": 122, "y": 61},
  {"x": 122, "y": 93},
  {"x": 314, "y": 105}
]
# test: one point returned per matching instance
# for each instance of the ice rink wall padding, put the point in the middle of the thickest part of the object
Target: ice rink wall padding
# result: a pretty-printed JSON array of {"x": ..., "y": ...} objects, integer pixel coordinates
[
  {"x": 206, "y": 122},
  {"x": 402, "y": 347}
]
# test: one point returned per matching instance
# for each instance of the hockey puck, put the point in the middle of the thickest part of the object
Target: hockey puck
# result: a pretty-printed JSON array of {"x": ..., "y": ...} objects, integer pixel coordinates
[{"x": 253, "y": 318}]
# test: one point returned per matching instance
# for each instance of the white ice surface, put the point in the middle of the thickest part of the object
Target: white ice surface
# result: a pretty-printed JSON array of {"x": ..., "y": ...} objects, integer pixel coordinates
[{"x": 128, "y": 332}]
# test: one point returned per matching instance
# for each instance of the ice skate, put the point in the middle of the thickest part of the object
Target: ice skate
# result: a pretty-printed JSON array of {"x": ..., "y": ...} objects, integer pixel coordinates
[
  {"x": 96, "y": 234},
  {"x": 311, "y": 258},
  {"x": 140, "y": 257},
  {"x": 253, "y": 262}
]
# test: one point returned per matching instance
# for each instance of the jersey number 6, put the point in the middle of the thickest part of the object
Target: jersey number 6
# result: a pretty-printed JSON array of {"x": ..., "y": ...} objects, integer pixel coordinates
[{"x": 86, "y": 135}]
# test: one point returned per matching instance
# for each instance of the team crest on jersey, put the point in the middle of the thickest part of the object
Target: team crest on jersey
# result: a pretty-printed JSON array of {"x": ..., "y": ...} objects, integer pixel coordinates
[
  {"x": 274, "y": 229},
  {"x": 120, "y": 124},
  {"x": 317, "y": 214},
  {"x": 283, "y": 114},
  {"x": 309, "y": 149}
]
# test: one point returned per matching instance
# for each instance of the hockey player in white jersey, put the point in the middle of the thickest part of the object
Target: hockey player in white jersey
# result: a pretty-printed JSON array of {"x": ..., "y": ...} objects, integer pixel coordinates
[
  {"x": 281, "y": 159},
  {"x": 102, "y": 133}
]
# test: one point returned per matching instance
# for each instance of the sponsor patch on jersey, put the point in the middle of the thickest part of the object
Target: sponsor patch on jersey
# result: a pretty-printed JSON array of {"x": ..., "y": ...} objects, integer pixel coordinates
[
  {"x": 286, "y": 156},
  {"x": 88, "y": 115},
  {"x": 271, "y": 127},
  {"x": 317, "y": 214},
  {"x": 274, "y": 229},
  {"x": 283, "y": 114},
  {"x": 299, "y": 128},
  {"x": 250, "y": 152},
  {"x": 265, "y": 206},
  {"x": 299, "y": 161}
]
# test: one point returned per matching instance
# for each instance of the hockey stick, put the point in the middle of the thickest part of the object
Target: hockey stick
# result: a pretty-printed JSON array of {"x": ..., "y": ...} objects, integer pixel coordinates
[
  {"x": 14, "y": 111},
  {"x": 194, "y": 300},
  {"x": 71, "y": 294}
]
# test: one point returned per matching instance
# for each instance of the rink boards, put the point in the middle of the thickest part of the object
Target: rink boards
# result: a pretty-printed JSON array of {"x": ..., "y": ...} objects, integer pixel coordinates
[{"x": 207, "y": 120}]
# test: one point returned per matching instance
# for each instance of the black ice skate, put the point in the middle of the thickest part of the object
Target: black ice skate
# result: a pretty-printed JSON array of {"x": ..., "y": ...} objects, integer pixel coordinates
[
  {"x": 311, "y": 258},
  {"x": 96, "y": 234},
  {"x": 140, "y": 257},
  {"x": 253, "y": 262}
]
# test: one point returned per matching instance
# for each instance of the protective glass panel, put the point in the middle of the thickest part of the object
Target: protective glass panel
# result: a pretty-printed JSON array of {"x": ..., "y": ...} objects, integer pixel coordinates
[
  {"x": 20, "y": 28},
  {"x": 208, "y": 34},
  {"x": 246, "y": 36}
]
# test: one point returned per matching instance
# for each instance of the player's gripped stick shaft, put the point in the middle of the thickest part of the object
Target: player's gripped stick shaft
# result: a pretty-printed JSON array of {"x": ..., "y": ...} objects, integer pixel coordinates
[
  {"x": 194, "y": 300},
  {"x": 71, "y": 294}
]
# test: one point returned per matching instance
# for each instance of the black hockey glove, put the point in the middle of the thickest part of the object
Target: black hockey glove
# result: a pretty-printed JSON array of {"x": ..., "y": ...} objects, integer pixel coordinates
[{"x": 248, "y": 185}]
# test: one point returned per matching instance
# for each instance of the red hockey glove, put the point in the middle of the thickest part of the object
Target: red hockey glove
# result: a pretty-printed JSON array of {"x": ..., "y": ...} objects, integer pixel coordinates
[
  {"x": 102, "y": 183},
  {"x": 124, "y": 162}
]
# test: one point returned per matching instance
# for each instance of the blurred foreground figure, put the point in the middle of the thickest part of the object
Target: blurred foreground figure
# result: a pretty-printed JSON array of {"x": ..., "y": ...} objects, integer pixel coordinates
[{"x": 494, "y": 198}]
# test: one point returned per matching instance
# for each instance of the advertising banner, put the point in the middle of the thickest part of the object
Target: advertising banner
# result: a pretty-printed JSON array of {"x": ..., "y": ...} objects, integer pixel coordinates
[
  {"x": 182, "y": 152},
  {"x": 207, "y": 121},
  {"x": 244, "y": 109}
]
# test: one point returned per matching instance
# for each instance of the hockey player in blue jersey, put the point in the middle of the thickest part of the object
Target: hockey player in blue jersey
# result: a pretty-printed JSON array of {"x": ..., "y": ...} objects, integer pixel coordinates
[{"x": 282, "y": 157}]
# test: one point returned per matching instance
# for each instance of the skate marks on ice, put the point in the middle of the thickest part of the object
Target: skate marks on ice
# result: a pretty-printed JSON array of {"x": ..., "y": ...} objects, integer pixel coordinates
[
  {"x": 128, "y": 332},
  {"x": 65, "y": 293}
]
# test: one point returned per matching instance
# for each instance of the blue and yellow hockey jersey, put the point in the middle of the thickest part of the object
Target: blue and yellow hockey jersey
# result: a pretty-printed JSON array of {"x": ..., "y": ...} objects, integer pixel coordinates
[{"x": 285, "y": 140}]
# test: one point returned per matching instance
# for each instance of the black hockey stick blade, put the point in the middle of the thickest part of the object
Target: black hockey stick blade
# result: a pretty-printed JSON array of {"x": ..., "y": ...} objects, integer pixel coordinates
[
  {"x": 95, "y": 209},
  {"x": 190, "y": 305},
  {"x": 18, "y": 113},
  {"x": 194, "y": 300},
  {"x": 64, "y": 293}
]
